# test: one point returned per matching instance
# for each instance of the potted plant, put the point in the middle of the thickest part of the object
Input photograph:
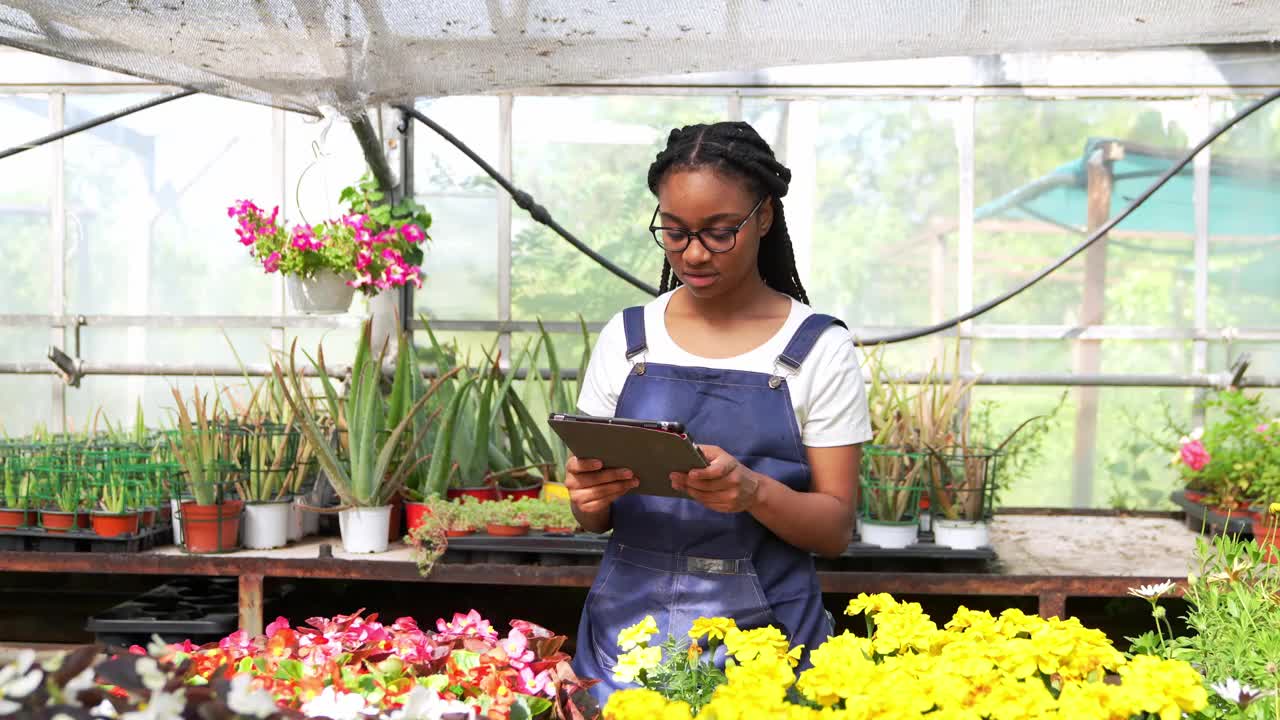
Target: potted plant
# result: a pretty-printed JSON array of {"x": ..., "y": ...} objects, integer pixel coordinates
[
  {"x": 506, "y": 518},
  {"x": 559, "y": 518},
  {"x": 372, "y": 247},
  {"x": 367, "y": 478},
  {"x": 266, "y": 453},
  {"x": 116, "y": 513},
  {"x": 211, "y": 518},
  {"x": 62, "y": 492},
  {"x": 14, "y": 492},
  {"x": 1234, "y": 457}
]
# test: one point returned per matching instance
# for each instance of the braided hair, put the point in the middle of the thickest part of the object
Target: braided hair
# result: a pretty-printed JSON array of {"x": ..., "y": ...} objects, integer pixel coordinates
[{"x": 736, "y": 148}]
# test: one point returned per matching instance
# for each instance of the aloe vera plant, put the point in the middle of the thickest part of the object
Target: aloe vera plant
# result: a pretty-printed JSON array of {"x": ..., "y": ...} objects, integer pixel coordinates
[
  {"x": 376, "y": 464},
  {"x": 17, "y": 483},
  {"x": 200, "y": 449}
]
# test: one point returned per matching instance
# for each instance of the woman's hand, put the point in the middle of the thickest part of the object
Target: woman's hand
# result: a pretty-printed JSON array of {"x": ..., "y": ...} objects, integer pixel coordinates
[
  {"x": 593, "y": 489},
  {"x": 725, "y": 485}
]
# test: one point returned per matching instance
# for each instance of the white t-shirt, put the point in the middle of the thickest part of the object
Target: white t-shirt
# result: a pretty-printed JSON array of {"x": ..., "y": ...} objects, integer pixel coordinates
[{"x": 827, "y": 393}]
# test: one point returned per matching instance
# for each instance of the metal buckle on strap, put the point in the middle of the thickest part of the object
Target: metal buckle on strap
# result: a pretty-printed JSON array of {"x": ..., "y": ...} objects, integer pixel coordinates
[
  {"x": 779, "y": 373},
  {"x": 715, "y": 566}
]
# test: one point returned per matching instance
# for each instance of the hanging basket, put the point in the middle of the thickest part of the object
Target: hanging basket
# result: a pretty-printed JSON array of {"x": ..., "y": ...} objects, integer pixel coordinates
[{"x": 325, "y": 293}]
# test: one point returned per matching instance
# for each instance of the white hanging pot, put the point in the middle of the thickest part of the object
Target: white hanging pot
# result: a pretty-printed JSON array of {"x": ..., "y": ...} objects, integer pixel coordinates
[
  {"x": 961, "y": 534},
  {"x": 266, "y": 525},
  {"x": 365, "y": 529},
  {"x": 325, "y": 293},
  {"x": 888, "y": 535}
]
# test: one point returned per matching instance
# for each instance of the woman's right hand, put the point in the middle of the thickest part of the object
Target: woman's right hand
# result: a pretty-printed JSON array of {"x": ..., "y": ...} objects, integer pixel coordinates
[{"x": 592, "y": 489}]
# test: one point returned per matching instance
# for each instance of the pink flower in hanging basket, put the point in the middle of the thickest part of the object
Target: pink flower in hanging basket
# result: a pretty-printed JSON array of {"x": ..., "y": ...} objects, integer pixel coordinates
[
  {"x": 272, "y": 263},
  {"x": 413, "y": 234}
]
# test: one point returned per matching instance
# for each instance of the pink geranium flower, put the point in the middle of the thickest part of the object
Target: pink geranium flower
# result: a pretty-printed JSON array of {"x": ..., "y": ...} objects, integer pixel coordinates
[
  {"x": 412, "y": 234},
  {"x": 280, "y": 623}
]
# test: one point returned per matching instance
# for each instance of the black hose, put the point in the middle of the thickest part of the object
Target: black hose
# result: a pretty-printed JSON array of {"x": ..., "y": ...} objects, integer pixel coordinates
[
  {"x": 88, "y": 124},
  {"x": 1094, "y": 237},
  {"x": 527, "y": 203}
]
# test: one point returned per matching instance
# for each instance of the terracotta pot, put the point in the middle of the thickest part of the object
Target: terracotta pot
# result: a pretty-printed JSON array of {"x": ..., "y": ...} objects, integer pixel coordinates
[
  {"x": 458, "y": 533},
  {"x": 506, "y": 530},
  {"x": 83, "y": 520},
  {"x": 10, "y": 518},
  {"x": 483, "y": 494},
  {"x": 211, "y": 528},
  {"x": 33, "y": 518},
  {"x": 147, "y": 518},
  {"x": 56, "y": 521},
  {"x": 1266, "y": 532},
  {"x": 394, "y": 532},
  {"x": 415, "y": 515},
  {"x": 112, "y": 525}
]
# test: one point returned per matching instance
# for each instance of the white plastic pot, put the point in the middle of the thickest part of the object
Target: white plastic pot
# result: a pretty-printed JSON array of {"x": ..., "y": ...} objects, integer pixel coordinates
[
  {"x": 266, "y": 525},
  {"x": 888, "y": 535},
  {"x": 176, "y": 518},
  {"x": 365, "y": 530},
  {"x": 961, "y": 534},
  {"x": 325, "y": 293}
]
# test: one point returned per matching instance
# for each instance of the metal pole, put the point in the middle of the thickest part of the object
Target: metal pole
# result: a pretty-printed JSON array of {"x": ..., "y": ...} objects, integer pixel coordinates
[
  {"x": 1200, "y": 293},
  {"x": 58, "y": 253},
  {"x": 506, "y": 165},
  {"x": 90, "y": 124}
]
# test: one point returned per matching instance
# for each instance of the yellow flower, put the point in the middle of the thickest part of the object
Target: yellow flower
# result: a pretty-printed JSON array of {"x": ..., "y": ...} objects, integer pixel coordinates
[
  {"x": 766, "y": 643},
  {"x": 870, "y": 604},
  {"x": 773, "y": 674},
  {"x": 632, "y": 637},
  {"x": 1274, "y": 508},
  {"x": 714, "y": 628},
  {"x": 630, "y": 665},
  {"x": 643, "y": 704}
]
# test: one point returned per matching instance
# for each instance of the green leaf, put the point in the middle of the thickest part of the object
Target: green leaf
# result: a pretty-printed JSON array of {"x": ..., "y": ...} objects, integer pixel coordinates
[
  {"x": 465, "y": 659},
  {"x": 375, "y": 195},
  {"x": 289, "y": 669}
]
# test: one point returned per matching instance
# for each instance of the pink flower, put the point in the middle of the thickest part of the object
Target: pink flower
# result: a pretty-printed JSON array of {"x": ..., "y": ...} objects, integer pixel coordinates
[
  {"x": 516, "y": 646},
  {"x": 247, "y": 236},
  {"x": 356, "y": 221},
  {"x": 360, "y": 281},
  {"x": 280, "y": 624},
  {"x": 1194, "y": 455},
  {"x": 304, "y": 238},
  {"x": 1262, "y": 428},
  {"x": 272, "y": 263},
  {"x": 412, "y": 234},
  {"x": 471, "y": 624},
  {"x": 363, "y": 258},
  {"x": 238, "y": 641},
  {"x": 391, "y": 255},
  {"x": 539, "y": 684},
  {"x": 385, "y": 237}
]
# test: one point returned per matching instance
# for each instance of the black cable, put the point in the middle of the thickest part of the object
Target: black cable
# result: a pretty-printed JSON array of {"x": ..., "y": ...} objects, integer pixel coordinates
[
  {"x": 1093, "y": 238},
  {"x": 527, "y": 203},
  {"x": 89, "y": 124}
]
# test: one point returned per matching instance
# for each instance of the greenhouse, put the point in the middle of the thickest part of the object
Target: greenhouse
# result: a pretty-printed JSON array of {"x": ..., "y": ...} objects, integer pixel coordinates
[{"x": 458, "y": 360}]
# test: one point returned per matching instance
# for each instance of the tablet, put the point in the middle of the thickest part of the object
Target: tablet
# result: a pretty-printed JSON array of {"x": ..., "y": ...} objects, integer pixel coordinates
[{"x": 652, "y": 449}]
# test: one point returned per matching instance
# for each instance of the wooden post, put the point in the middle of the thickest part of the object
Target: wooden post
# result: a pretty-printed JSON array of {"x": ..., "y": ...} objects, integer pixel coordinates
[
  {"x": 1089, "y": 352},
  {"x": 251, "y": 604}
]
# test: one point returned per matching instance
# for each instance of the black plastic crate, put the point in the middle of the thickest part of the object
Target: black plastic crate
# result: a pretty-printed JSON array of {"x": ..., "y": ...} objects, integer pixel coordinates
[
  {"x": 41, "y": 540},
  {"x": 198, "y": 609}
]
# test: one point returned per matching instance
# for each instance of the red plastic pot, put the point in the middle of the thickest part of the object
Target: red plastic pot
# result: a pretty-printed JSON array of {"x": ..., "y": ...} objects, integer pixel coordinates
[
  {"x": 527, "y": 491},
  {"x": 147, "y": 518},
  {"x": 56, "y": 521},
  {"x": 415, "y": 514},
  {"x": 397, "y": 511},
  {"x": 506, "y": 530},
  {"x": 458, "y": 533},
  {"x": 484, "y": 494},
  {"x": 10, "y": 518},
  {"x": 1195, "y": 496},
  {"x": 112, "y": 525},
  {"x": 83, "y": 520},
  {"x": 1266, "y": 532},
  {"x": 211, "y": 528}
]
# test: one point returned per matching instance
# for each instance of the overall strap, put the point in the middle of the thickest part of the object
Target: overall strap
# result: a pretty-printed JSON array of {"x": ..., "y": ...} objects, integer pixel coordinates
[
  {"x": 804, "y": 340},
  {"x": 633, "y": 326}
]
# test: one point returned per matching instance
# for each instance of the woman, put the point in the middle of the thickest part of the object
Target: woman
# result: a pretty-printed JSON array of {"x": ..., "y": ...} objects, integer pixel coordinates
[{"x": 771, "y": 392}]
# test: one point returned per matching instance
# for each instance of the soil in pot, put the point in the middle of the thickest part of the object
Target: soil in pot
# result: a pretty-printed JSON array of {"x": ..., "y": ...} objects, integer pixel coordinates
[
  {"x": 506, "y": 530},
  {"x": 211, "y": 528},
  {"x": 56, "y": 521},
  {"x": 109, "y": 525}
]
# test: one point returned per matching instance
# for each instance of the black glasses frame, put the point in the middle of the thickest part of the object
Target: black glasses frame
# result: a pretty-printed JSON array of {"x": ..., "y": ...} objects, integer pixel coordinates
[{"x": 690, "y": 234}]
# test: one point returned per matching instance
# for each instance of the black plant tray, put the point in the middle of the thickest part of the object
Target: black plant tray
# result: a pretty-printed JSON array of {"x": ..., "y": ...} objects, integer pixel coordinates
[
  {"x": 1207, "y": 520},
  {"x": 200, "y": 609},
  {"x": 37, "y": 539},
  {"x": 586, "y": 549}
]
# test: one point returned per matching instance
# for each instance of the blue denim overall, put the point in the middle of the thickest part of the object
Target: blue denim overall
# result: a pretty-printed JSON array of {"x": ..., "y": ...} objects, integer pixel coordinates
[{"x": 676, "y": 560}]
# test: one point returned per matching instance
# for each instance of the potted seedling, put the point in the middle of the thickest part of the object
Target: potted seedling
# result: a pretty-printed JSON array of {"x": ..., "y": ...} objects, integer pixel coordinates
[
  {"x": 16, "y": 487},
  {"x": 115, "y": 514},
  {"x": 506, "y": 518},
  {"x": 211, "y": 518},
  {"x": 559, "y": 518},
  {"x": 62, "y": 493}
]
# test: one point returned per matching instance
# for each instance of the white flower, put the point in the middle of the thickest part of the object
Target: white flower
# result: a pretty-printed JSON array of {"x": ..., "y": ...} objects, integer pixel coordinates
[
  {"x": 8, "y": 707},
  {"x": 161, "y": 706},
  {"x": 78, "y": 684},
  {"x": 18, "y": 679},
  {"x": 336, "y": 706},
  {"x": 104, "y": 710},
  {"x": 1232, "y": 691},
  {"x": 425, "y": 704},
  {"x": 244, "y": 700},
  {"x": 153, "y": 678},
  {"x": 1151, "y": 592}
]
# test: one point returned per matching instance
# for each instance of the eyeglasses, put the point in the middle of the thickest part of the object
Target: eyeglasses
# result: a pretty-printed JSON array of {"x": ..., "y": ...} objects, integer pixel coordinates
[{"x": 715, "y": 240}]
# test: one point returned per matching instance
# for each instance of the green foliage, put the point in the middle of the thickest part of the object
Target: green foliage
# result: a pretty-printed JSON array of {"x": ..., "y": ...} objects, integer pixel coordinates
[{"x": 684, "y": 676}]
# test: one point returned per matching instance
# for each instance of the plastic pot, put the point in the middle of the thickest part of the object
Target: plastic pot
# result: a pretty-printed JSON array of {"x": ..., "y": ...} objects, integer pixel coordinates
[
  {"x": 56, "y": 521},
  {"x": 147, "y": 518},
  {"x": 531, "y": 490},
  {"x": 12, "y": 518},
  {"x": 506, "y": 530},
  {"x": 266, "y": 525},
  {"x": 888, "y": 535},
  {"x": 394, "y": 522},
  {"x": 211, "y": 528},
  {"x": 415, "y": 515},
  {"x": 365, "y": 530},
  {"x": 109, "y": 525},
  {"x": 459, "y": 533},
  {"x": 1266, "y": 533},
  {"x": 483, "y": 494},
  {"x": 961, "y": 534},
  {"x": 325, "y": 293}
]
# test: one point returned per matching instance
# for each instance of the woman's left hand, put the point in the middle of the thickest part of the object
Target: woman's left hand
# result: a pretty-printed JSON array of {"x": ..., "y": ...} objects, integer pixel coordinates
[{"x": 725, "y": 485}]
